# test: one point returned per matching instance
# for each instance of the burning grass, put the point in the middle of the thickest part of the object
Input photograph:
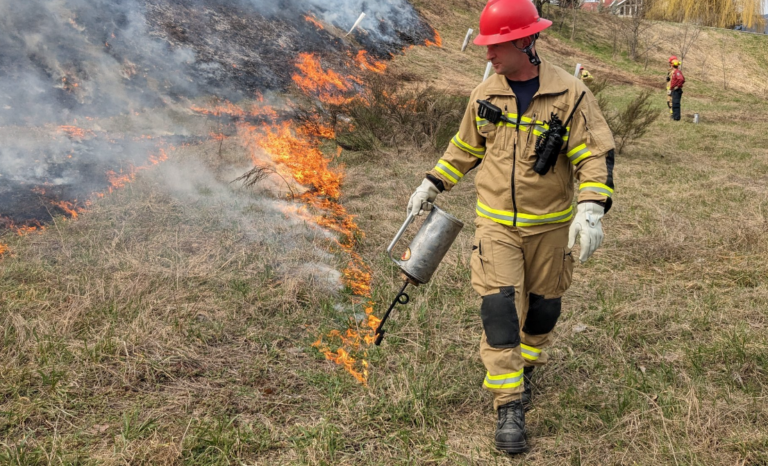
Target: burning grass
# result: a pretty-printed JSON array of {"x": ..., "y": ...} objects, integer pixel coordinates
[{"x": 177, "y": 327}]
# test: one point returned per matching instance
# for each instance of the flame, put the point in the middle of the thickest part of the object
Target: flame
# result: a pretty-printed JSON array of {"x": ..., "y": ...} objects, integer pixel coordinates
[
  {"x": 294, "y": 147},
  {"x": 157, "y": 159},
  {"x": 303, "y": 160},
  {"x": 328, "y": 86},
  {"x": 119, "y": 180},
  {"x": 75, "y": 132},
  {"x": 438, "y": 40},
  {"x": 3, "y": 249},
  {"x": 68, "y": 207},
  {"x": 370, "y": 65},
  {"x": 22, "y": 230},
  {"x": 314, "y": 21},
  {"x": 72, "y": 209}
]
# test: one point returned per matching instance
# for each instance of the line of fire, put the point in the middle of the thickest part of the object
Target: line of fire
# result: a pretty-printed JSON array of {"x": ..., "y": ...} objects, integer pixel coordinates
[{"x": 270, "y": 81}]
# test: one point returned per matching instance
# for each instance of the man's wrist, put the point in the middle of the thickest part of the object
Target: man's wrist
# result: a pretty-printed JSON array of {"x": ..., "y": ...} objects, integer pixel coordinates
[{"x": 436, "y": 181}]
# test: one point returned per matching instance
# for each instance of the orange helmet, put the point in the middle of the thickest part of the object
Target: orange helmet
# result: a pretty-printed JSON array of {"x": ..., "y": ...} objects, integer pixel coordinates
[
  {"x": 672, "y": 58},
  {"x": 508, "y": 20}
]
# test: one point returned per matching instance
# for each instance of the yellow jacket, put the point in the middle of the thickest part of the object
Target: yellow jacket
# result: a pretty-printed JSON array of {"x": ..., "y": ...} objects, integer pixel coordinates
[{"x": 508, "y": 190}]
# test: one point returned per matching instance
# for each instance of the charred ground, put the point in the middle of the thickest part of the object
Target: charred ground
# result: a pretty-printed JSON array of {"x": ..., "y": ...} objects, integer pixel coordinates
[{"x": 89, "y": 61}]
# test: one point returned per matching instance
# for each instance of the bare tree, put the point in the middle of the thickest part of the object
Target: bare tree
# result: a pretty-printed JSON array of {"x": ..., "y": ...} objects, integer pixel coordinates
[
  {"x": 575, "y": 6},
  {"x": 687, "y": 38},
  {"x": 651, "y": 40},
  {"x": 615, "y": 27},
  {"x": 635, "y": 29},
  {"x": 540, "y": 5}
]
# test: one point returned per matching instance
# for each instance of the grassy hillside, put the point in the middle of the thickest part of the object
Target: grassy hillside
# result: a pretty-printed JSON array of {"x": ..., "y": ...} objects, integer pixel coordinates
[{"x": 173, "y": 323}]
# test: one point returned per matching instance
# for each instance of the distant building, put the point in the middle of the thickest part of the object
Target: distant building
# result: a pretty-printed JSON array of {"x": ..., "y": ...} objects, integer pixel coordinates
[
  {"x": 617, "y": 7},
  {"x": 596, "y": 5}
]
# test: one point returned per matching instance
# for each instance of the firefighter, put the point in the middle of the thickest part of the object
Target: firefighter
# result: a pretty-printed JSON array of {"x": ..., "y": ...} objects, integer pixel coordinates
[
  {"x": 669, "y": 91},
  {"x": 522, "y": 261},
  {"x": 676, "y": 82},
  {"x": 584, "y": 75}
]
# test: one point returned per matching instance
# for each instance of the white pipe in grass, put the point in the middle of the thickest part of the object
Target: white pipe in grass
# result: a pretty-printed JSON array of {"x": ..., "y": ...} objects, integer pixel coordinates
[
  {"x": 488, "y": 69},
  {"x": 466, "y": 39},
  {"x": 362, "y": 16}
]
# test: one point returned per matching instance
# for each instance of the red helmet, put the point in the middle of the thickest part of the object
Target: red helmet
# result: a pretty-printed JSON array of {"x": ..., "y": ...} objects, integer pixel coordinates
[
  {"x": 507, "y": 20},
  {"x": 672, "y": 58}
]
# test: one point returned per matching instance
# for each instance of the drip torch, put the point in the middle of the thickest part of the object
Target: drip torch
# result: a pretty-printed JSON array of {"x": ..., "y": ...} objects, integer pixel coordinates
[{"x": 423, "y": 255}]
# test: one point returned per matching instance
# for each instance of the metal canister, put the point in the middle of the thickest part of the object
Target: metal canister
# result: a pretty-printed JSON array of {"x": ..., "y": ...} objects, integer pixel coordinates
[
  {"x": 429, "y": 246},
  {"x": 695, "y": 117}
]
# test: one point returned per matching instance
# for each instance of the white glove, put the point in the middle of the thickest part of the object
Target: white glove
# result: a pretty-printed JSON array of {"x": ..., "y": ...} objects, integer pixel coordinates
[
  {"x": 427, "y": 192},
  {"x": 587, "y": 226}
]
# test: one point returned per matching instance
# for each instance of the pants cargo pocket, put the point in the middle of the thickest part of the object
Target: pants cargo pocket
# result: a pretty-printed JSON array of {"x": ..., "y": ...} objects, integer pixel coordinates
[
  {"x": 560, "y": 272},
  {"x": 482, "y": 270},
  {"x": 565, "y": 257}
]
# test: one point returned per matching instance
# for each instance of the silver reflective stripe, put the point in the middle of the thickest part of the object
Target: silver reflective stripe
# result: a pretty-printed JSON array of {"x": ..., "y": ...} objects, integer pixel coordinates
[
  {"x": 602, "y": 191},
  {"x": 528, "y": 354},
  {"x": 504, "y": 218},
  {"x": 536, "y": 221},
  {"x": 512, "y": 381},
  {"x": 523, "y": 219},
  {"x": 482, "y": 123},
  {"x": 477, "y": 152},
  {"x": 578, "y": 154},
  {"x": 449, "y": 171}
]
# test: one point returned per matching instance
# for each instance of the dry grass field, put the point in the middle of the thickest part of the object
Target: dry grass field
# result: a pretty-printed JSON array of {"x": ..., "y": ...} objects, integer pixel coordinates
[{"x": 173, "y": 322}]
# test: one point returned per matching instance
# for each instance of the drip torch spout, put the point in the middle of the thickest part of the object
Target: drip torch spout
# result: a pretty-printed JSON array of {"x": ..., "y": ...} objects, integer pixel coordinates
[{"x": 401, "y": 298}]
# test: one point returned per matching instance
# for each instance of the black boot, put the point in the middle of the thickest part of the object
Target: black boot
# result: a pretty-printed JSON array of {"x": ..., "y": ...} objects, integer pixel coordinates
[
  {"x": 510, "y": 429},
  {"x": 527, "y": 392}
]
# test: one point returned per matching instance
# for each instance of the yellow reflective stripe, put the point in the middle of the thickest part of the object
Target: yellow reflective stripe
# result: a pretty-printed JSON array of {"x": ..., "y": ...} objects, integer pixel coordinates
[
  {"x": 529, "y": 352},
  {"x": 599, "y": 188},
  {"x": 476, "y": 151},
  {"x": 578, "y": 153},
  {"x": 510, "y": 380},
  {"x": 448, "y": 171},
  {"x": 522, "y": 220}
]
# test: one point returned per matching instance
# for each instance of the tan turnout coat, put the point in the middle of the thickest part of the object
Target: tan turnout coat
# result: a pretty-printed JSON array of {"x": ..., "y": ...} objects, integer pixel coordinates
[{"x": 509, "y": 192}]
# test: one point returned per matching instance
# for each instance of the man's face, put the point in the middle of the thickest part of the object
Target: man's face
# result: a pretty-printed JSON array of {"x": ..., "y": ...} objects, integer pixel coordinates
[{"x": 506, "y": 58}]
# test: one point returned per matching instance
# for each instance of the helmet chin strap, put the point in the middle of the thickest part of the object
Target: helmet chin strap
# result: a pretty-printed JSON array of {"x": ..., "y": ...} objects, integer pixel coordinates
[{"x": 533, "y": 57}]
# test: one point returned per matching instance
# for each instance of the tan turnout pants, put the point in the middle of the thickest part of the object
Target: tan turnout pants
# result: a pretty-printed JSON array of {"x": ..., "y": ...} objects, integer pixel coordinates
[{"x": 521, "y": 280}]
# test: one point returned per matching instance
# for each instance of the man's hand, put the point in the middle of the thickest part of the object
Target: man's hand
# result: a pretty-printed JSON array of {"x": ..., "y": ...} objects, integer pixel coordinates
[
  {"x": 427, "y": 192},
  {"x": 587, "y": 225}
]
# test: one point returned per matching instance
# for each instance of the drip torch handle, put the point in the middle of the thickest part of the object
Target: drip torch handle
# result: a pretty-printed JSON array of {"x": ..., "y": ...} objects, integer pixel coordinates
[{"x": 399, "y": 234}]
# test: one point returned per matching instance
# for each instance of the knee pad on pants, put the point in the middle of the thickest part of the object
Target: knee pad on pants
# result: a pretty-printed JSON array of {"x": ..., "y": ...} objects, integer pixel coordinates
[
  {"x": 499, "y": 314},
  {"x": 542, "y": 315}
]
